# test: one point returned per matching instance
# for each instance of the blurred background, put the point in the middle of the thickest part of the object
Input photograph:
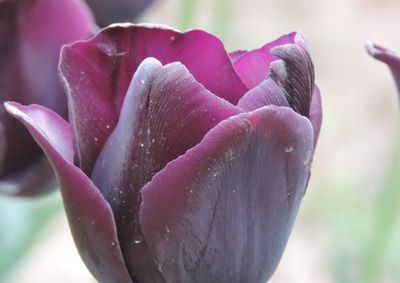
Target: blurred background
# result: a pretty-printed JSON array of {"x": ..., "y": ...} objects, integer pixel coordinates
[{"x": 347, "y": 229}]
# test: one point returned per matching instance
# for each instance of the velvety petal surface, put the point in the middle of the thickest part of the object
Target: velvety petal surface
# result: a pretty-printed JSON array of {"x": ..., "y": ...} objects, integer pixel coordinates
[
  {"x": 89, "y": 215},
  {"x": 295, "y": 74},
  {"x": 253, "y": 66},
  {"x": 223, "y": 211},
  {"x": 98, "y": 72},
  {"x": 117, "y": 11},
  {"x": 165, "y": 112},
  {"x": 266, "y": 93},
  {"x": 31, "y": 35},
  {"x": 391, "y": 58}
]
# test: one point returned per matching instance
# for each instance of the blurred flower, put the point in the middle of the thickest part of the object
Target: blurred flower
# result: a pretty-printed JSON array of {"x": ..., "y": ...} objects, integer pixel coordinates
[
  {"x": 391, "y": 58},
  {"x": 108, "y": 12},
  {"x": 185, "y": 168},
  {"x": 31, "y": 36}
]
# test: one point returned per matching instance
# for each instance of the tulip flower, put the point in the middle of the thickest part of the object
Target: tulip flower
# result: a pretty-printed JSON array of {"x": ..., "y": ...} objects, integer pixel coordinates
[
  {"x": 31, "y": 36},
  {"x": 108, "y": 12},
  {"x": 180, "y": 162},
  {"x": 391, "y": 58}
]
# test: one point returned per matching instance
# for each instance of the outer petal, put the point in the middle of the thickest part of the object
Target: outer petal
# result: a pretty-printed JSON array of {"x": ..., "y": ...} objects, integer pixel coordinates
[
  {"x": 253, "y": 66},
  {"x": 223, "y": 211},
  {"x": 90, "y": 216},
  {"x": 97, "y": 73},
  {"x": 389, "y": 57},
  {"x": 316, "y": 113},
  {"x": 266, "y": 93},
  {"x": 108, "y": 12},
  {"x": 29, "y": 53},
  {"x": 165, "y": 113}
]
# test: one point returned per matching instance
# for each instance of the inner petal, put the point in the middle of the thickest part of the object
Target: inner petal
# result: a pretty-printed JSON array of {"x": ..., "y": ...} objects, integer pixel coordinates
[{"x": 165, "y": 112}]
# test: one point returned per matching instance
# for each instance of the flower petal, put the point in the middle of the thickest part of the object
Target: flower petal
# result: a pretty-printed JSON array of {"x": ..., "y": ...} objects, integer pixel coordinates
[
  {"x": 295, "y": 74},
  {"x": 165, "y": 113},
  {"x": 266, "y": 93},
  {"x": 223, "y": 211},
  {"x": 97, "y": 74},
  {"x": 90, "y": 216},
  {"x": 391, "y": 58},
  {"x": 31, "y": 35},
  {"x": 253, "y": 66},
  {"x": 37, "y": 179},
  {"x": 316, "y": 113}
]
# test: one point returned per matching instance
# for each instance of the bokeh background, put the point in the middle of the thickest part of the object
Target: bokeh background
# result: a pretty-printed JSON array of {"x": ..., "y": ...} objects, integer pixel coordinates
[{"x": 348, "y": 228}]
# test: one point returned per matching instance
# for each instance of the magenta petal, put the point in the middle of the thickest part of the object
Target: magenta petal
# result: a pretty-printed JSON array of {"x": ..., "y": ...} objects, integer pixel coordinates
[
  {"x": 316, "y": 113},
  {"x": 235, "y": 55},
  {"x": 253, "y": 66},
  {"x": 295, "y": 73},
  {"x": 266, "y": 93},
  {"x": 223, "y": 211},
  {"x": 97, "y": 74},
  {"x": 391, "y": 58},
  {"x": 165, "y": 113},
  {"x": 90, "y": 216}
]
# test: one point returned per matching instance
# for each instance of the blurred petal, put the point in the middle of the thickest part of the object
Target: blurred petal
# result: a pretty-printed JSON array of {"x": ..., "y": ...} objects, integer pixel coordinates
[
  {"x": 97, "y": 74},
  {"x": 31, "y": 35},
  {"x": 165, "y": 113},
  {"x": 236, "y": 55},
  {"x": 90, "y": 216},
  {"x": 295, "y": 74},
  {"x": 37, "y": 179},
  {"x": 253, "y": 66},
  {"x": 391, "y": 58},
  {"x": 316, "y": 113},
  {"x": 266, "y": 93},
  {"x": 117, "y": 11},
  {"x": 223, "y": 211}
]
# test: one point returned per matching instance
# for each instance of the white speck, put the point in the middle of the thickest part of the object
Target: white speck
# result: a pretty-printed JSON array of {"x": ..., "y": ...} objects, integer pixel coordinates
[
  {"x": 112, "y": 243},
  {"x": 288, "y": 149},
  {"x": 142, "y": 81},
  {"x": 172, "y": 38},
  {"x": 96, "y": 139},
  {"x": 141, "y": 145},
  {"x": 137, "y": 241},
  {"x": 93, "y": 222},
  {"x": 107, "y": 126}
]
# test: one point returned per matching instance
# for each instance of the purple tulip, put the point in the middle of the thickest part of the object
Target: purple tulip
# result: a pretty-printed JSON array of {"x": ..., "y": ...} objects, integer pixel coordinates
[
  {"x": 111, "y": 11},
  {"x": 31, "y": 35},
  {"x": 391, "y": 58},
  {"x": 181, "y": 162}
]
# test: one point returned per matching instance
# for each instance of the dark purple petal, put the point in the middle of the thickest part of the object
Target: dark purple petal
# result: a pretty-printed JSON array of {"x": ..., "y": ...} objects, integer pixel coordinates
[
  {"x": 253, "y": 66},
  {"x": 223, "y": 211},
  {"x": 31, "y": 35},
  {"x": 89, "y": 215},
  {"x": 97, "y": 74},
  {"x": 37, "y": 179},
  {"x": 316, "y": 113},
  {"x": 266, "y": 93},
  {"x": 165, "y": 113},
  {"x": 294, "y": 73},
  {"x": 117, "y": 11},
  {"x": 391, "y": 58}
]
